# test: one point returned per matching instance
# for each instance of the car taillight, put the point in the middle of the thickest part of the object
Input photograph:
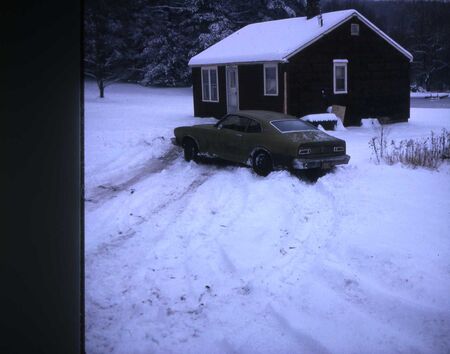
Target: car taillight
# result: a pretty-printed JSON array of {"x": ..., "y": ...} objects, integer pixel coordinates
[
  {"x": 339, "y": 149},
  {"x": 304, "y": 151}
]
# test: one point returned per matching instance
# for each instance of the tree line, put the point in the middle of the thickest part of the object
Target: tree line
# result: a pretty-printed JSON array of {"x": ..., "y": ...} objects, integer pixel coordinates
[{"x": 151, "y": 41}]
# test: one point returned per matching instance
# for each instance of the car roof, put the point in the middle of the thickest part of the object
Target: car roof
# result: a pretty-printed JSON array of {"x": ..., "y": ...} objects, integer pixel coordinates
[{"x": 263, "y": 116}]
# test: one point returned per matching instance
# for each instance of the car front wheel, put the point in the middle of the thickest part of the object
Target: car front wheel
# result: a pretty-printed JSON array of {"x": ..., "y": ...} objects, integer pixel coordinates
[
  {"x": 190, "y": 150},
  {"x": 262, "y": 163}
]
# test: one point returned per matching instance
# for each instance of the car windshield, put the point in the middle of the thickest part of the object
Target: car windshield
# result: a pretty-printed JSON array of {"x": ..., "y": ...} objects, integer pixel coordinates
[{"x": 291, "y": 125}]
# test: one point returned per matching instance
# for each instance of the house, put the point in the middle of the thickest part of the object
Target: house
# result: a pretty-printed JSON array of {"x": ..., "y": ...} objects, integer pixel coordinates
[{"x": 301, "y": 66}]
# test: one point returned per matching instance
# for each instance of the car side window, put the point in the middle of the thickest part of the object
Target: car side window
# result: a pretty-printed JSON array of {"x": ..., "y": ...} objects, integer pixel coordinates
[
  {"x": 234, "y": 122},
  {"x": 253, "y": 127}
]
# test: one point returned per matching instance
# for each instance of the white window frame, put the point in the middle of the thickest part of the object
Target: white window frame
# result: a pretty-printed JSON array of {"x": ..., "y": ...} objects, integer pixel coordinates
[
  {"x": 209, "y": 68},
  {"x": 271, "y": 65},
  {"x": 354, "y": 29},
  {"x": 340, "y": 63}
]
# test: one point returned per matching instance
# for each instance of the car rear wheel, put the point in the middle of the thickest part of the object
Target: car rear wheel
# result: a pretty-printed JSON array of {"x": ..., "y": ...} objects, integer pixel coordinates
[
  {"x": 190, "y": 150},
  {"x": 262, "y": 163}
]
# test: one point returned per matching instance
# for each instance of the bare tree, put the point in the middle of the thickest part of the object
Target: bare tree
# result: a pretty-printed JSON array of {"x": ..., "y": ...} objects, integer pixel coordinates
[
  {"x": 103, "y": 45},
  {"x": 429, "y": 58}
]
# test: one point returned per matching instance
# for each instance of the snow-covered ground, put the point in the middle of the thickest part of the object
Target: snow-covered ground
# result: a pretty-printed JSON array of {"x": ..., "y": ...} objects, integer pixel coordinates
[
  {"x": 429, "y": 94},
  {"x": 430, "y": 100},
  {"x": 211, "y": 258}
]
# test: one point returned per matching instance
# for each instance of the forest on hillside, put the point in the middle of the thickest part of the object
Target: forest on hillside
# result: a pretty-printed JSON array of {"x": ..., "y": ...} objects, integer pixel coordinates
[{"x": 151, "y": 41}]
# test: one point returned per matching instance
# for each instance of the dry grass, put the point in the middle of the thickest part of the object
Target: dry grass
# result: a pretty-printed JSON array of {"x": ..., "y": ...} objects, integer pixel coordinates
[{"x": 429, "y": 152}]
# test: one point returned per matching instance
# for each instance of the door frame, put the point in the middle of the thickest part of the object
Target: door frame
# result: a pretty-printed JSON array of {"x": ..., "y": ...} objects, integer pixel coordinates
[{"x": 235, "y": 67}]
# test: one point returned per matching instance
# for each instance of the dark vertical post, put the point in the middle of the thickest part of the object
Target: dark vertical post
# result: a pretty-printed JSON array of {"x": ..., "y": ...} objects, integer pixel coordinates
[{"x": 285, "y": 93}]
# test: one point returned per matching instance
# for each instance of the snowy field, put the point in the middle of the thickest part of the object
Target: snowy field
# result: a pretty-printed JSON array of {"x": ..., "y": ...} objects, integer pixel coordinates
[
  {"x": 211, "y": 258},
  {"x": 438, "y": 100}
]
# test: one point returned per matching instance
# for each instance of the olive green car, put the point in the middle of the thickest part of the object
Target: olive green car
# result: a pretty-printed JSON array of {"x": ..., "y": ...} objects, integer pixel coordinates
[{"x": 263, "y": 140}]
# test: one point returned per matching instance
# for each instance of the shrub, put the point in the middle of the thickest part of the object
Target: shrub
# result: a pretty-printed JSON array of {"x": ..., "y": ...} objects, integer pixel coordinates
[{"x": 429, "y": 152}]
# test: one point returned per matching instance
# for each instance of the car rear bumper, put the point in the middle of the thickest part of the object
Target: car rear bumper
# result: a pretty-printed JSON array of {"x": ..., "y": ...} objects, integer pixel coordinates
[{"x": 325, "y": 162}]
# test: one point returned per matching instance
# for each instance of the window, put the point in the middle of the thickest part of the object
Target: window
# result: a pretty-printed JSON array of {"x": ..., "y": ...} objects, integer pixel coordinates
[
  {"x": 210, "y": 87},
  {"x": 232, "y": 78},
  {"x": 270, "y": 79},
  {"x": 354, "y": 29},
  {"x": 340, "y": 76},
  {"x": 253, "y": 127},
  {"x": 291, "y": 125},
  {"x": 234, "y": 122}
]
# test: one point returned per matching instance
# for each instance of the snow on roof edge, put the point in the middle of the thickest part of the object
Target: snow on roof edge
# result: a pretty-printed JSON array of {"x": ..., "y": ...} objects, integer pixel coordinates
[
  {"x": 351, "y": 13},
  {"x": 205, "y": 58}
]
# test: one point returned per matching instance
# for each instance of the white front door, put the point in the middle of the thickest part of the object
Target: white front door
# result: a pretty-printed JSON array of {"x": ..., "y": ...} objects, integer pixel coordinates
[{"x": 232, "y": 89}]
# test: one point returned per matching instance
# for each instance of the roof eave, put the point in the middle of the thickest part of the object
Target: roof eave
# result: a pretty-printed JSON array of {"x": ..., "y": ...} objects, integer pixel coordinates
[{"x": 239, "y": 63}]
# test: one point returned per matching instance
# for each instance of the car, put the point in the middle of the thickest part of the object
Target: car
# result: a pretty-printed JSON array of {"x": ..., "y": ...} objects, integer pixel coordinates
[{"x": 264, "y": 140}]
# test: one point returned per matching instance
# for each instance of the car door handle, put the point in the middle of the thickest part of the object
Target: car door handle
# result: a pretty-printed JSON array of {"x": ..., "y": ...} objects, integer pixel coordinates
[{"x": 239, "y": 135}]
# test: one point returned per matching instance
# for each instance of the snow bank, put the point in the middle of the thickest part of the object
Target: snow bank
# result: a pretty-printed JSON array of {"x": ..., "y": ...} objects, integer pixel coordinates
[
  {"x": 211, "y": 258},
  {"x": 339, "y": 125},
  {"x": 370, "y": 123}
]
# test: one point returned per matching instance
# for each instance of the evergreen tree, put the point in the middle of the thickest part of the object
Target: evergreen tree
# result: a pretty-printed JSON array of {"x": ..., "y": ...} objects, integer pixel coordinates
[{"x": 165, "y": 53}]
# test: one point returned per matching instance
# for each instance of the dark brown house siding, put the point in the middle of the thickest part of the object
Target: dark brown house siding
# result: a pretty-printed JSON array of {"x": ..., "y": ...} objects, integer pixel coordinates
[
  {"x": 378, "y": 76},
  {"x": 251, "y": 89},
  {"x": 209, "y": 109}
]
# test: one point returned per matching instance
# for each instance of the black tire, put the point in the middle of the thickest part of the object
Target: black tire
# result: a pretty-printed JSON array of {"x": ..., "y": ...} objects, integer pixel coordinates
[
  {"x": 190, "y": 150},
  {"x": 262, "y": 163}
]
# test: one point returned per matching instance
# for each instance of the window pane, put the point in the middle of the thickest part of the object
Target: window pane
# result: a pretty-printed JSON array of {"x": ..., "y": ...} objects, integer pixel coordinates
[
  {"x": 340, "y": 72},
  {"x": 231, "y": 79},
  {"x": 340, "y": 84},
  {"x": 213, "y": 77},
  {"x": 253, "y": 127},
  {"x": 235, "y": 123},
  {"x": 213, "y": 74},
  {"x": 205, "y": 77},
  {"x": 270, "y": 73},
  {"x": 214, "y": 92},
  {"x": 271, "y": 80}
]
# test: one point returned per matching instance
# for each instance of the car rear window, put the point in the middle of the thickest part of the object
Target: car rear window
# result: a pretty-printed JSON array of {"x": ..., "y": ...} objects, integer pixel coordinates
[{"x": 291, "y": 125}]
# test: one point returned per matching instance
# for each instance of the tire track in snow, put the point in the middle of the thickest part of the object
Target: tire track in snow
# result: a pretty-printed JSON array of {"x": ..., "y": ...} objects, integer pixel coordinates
[
  {"x": 318, "y": 228},
  {"x": 398, "y": 314},
  {"x": 106, "y": 257},
  {"x": 307, "y": 343},
  {"x": 334, "y": 210},
  {"x": 362, "y": 293},
  {"x": 117, "y": 242},
  {"x": 110, "y": 190}
]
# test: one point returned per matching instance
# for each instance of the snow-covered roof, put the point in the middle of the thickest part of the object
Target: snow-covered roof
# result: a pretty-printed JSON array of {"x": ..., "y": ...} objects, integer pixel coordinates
[{"x": 279, "y": 40}]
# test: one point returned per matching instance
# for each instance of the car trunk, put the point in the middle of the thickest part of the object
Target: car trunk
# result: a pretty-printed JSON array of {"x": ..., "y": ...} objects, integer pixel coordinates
[
  {"x": 318, "y": 143},
  {"x": 323, "y": 148}
]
